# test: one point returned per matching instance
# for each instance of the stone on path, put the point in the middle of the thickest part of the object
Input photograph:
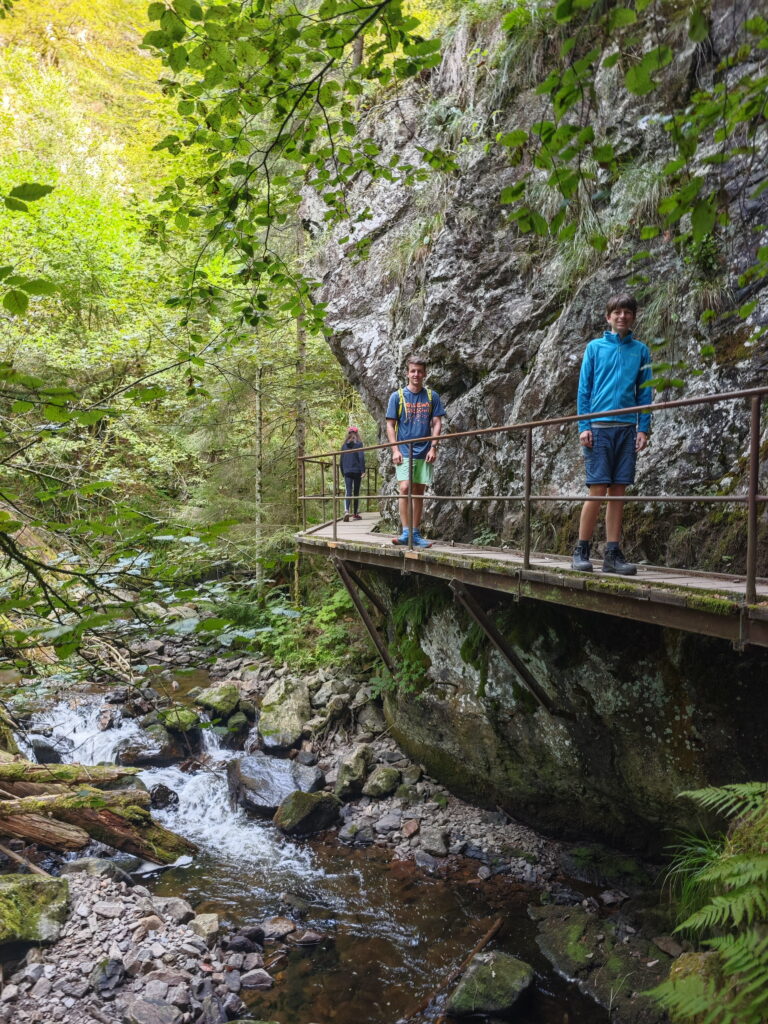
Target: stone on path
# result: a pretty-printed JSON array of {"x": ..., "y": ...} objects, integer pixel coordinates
[
  {"x": 151, "y": 1011},
  {"x": 492, "y": 984}
]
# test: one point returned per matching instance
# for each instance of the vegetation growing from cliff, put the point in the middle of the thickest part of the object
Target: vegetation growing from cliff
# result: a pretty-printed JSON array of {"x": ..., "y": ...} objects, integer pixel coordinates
[{"x": 724, "y": 890}]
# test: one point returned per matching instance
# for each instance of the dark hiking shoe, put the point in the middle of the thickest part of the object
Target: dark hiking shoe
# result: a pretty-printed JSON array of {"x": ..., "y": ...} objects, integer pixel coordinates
[
  {"x": 346, "y": 517},
  {"x": 356, "y": 516},
  {"x": 580, "y": 558},
  {"x": 614, "y": 562}
]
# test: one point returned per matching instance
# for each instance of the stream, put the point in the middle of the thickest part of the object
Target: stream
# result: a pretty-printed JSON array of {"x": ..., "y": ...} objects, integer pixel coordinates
[{"x": 393, "y": 933}]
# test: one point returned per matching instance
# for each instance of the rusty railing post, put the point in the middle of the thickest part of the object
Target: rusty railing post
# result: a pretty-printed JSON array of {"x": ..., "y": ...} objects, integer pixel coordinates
[
  {"x": 754, "y": 464},
  {"x": 335, "y": 495},
  {"x": 410, "y": 496},
  {"x": 303, "y": 486},
  {"x": 527, "y": 499}
]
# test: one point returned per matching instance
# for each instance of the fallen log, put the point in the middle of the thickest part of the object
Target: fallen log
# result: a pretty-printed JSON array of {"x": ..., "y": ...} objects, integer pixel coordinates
[
  {"x": 119, "y": 819},
  {"x": 35, "y": 828},
  {"x": 71, "y": 801},
  {"x": 12, "y": 855},
  {"x": 28, "y": 771}
]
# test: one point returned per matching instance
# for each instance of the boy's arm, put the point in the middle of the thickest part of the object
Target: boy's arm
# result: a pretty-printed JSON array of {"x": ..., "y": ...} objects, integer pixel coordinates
[
  {"x": 435, "y": 428},
  {"x": 584, "y": 399},
  {"x": 643, "y": 394},
  {"x": 397, "y": 456}
]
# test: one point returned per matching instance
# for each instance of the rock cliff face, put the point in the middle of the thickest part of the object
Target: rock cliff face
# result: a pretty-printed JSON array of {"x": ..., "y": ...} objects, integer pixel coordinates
[
  {"x": 639, "y": 714},
  {"x": 504, "y": 318}
]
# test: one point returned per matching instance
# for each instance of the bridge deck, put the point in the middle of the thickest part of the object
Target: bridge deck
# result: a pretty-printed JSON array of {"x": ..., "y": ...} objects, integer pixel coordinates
[{"x": 707, "y": 603}]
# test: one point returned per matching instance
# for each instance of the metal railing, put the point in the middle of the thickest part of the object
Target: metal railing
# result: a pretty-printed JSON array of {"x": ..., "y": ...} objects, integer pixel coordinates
[{"x": 751, "y": 499}]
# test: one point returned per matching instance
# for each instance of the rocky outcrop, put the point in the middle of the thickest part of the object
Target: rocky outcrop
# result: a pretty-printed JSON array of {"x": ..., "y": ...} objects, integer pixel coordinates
[
  {"x": 639, "y": 714},
  {"x": 260, "y": 783},
  {"x": 503, "y": 318},
  {"x": 492, "y": 984},
  {"x": 285, "y": 709}
]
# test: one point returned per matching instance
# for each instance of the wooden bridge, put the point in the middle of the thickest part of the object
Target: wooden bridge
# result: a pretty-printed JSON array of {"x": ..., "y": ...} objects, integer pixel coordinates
[
  {"x": 707, "y": 603},
  {"x": 730, "y": 607}
]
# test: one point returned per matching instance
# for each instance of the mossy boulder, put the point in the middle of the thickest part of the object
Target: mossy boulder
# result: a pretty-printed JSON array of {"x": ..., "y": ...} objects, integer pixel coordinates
[
  {"x": 492, "y": 983},
  {"x": 352, "y": 772},
  {"x": 221, "y": 701},
  {"x": 32, "y": 908},
  {"x": 284, "y": 710},
  {"x": 614, "y": 966},
  {"x": 179, "y": 718},
  {"x": 383, "y": 780},
  {"x": 302, "y": 814}
]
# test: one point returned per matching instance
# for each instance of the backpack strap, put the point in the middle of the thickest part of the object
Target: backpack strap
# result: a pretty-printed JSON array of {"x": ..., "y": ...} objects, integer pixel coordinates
[{"x": 401, "y": 405}]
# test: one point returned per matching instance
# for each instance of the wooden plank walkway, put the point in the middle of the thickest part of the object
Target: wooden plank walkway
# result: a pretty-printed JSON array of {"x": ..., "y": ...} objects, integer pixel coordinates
[{"x": 707, "y": 603}]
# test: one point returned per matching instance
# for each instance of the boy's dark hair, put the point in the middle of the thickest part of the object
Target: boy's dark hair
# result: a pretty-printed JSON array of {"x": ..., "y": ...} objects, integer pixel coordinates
[
  {"x": 414, "y": 357},
  {"x": 621, "y": 301}
]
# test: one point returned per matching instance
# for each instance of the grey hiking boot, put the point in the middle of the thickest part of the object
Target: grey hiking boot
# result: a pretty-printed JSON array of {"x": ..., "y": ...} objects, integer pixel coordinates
[
  {"x": 614, "y": 562},
  {"x": 580, "y": 558}
]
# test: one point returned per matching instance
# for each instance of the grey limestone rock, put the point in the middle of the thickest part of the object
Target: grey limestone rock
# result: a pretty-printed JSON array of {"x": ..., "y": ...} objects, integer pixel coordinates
[
  {"x": 284, "y": 710},
  {"x": 492, "y": 984},
  {"x": 260, "y": 783}
]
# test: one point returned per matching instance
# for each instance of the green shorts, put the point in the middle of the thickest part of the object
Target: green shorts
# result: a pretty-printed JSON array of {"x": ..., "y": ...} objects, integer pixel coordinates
[{"x": 422, "y": 471}]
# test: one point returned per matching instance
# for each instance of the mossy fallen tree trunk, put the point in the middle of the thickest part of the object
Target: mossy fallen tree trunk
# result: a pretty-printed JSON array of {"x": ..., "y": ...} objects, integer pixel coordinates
[
  {"x": 66, "y": 819},
  {"x": 26, "y": 771}
]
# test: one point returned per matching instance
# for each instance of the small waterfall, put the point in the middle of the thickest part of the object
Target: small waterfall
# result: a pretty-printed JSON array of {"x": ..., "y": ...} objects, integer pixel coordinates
[{"x": 73, "y": 729}]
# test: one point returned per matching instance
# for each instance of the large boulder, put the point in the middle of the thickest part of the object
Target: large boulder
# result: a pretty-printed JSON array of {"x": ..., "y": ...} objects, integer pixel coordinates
[
  {"x": 302, "y": 814},
  {"x": 179, "y": 718},
  {"x": 284, "y": 710},
  {"x": 260, "y": 783},
  {"x": 352, "y": 772},
  {"x": 33, "y": 908},
  {"x": 383, "y": 780},
  {"x": 492, "y": 983},
  {"x": 156, "y": 746}
]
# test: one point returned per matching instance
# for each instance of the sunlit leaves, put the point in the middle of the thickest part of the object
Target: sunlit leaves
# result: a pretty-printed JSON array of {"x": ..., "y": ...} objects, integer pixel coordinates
[{"x": 639, "y": 78}]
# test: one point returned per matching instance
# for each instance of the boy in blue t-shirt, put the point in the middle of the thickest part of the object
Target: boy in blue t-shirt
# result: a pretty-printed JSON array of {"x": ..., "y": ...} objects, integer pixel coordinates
[
  {"x": 414, "y": 411},
  {"x": 614, "y": 374}
]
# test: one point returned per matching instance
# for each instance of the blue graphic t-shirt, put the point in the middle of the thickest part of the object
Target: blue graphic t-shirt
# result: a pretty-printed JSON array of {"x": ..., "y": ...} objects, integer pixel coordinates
[{"x": 415, "y": 418}]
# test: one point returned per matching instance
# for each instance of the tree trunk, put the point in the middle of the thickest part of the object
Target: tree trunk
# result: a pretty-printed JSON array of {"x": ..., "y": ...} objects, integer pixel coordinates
[
  {"x": 34, "y": 828},
  {"x": 28, "y": 771}
]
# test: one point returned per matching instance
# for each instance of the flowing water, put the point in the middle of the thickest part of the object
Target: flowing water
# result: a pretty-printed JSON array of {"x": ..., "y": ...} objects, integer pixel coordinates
[{"x": 393, "y": 933}]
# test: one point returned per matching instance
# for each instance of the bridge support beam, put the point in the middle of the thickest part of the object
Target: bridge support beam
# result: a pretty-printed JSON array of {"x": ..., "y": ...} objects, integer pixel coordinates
[
  {"x": 349, "y": 579},
  {"x": 473, "y": 608}
]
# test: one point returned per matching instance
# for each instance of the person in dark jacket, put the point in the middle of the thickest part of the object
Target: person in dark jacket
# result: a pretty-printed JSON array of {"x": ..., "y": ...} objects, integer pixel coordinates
[{"x": 352, "y": 462}]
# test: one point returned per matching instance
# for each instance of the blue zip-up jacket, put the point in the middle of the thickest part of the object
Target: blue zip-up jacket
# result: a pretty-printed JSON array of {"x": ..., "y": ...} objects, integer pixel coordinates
[
  {"x": 352, "y": 461},
  {"x": 613, "y": 372}
]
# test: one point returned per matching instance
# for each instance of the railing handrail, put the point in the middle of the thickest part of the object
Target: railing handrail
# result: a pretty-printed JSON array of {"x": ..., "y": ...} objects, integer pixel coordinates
[
  {"x": 751, "y": 499},
  {"x": 723, "y": 396}
]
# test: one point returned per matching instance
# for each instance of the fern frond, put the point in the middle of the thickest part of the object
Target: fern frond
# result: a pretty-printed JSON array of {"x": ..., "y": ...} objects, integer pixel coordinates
[
  {"x": 685, "y": 998},
  {"x": 740, "y": 869},
  {"x": 741, "y": 905},
  {"x": 741, "y": 799}
]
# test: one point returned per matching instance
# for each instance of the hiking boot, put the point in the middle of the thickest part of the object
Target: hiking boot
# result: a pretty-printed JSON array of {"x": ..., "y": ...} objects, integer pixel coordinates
[
  {"x": 419, "y": 541},
  {"x": 356, "y": 516},
  {"x": 614, "y": 562},
  {"x": 580, "y": 558},
  {"x": 346, "y": 517},
  {"x": 403, "y": 538}
]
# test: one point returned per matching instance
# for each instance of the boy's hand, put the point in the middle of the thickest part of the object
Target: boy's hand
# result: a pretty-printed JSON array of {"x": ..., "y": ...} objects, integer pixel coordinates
[
  {"x": 585, "y": 438},
  {"x": 641, "y": 441},
  {"x": 397, "y": 457}
]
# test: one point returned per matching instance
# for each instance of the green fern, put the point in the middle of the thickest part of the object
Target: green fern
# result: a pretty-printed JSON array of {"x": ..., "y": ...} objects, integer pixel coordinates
[{"x": 729, "y": 880}]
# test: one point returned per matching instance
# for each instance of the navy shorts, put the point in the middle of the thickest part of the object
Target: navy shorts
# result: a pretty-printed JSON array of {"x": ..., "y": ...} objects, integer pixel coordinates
[{"x": 611, "y": 459}]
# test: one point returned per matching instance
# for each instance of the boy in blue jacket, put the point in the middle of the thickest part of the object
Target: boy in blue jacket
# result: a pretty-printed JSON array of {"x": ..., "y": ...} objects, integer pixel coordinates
[{"x": 614, "y": 374}]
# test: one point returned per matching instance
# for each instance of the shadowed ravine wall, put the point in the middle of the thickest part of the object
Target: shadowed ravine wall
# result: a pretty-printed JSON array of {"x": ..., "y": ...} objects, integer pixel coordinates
[{"x": 645, "y": 712}]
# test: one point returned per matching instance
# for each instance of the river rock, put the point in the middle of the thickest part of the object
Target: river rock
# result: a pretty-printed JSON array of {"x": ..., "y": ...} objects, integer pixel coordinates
[
  {"x": 352, "y": 772},
  {"x": 434, "y": 840},
  {"x": 257, "y": 979},
  {"x": 179, "y": 718},
  {"x": 302, "y": 814},
  {"x": 383, "y": 780},
  {"x": 492, "y": 984},
  {"x": 161, "y": 796},
  {"x": 152, "y": 1011},
  {"x": 156, "y": 746},
  {"x": 206, "y": 926},
  {"x": 106, "y": 976},
  {"x": 33, "y": 908},
  {"x": 276, "y": 928},
  {"x": 221, "y": 700},
  {"x": 260, "y": 783},
  {"x": 356, "y": 834},
  {"x": 96, "y": 867},
  {"x": 284, "y": 710}
]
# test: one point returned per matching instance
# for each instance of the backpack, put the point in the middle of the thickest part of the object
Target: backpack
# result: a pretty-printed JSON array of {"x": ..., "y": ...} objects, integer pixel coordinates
[{"x": 402, "y": 406}]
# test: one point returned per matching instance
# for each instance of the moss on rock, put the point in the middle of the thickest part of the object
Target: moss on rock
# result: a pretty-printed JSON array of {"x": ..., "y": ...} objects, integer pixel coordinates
[{"x": 32, "y": 908}]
